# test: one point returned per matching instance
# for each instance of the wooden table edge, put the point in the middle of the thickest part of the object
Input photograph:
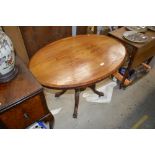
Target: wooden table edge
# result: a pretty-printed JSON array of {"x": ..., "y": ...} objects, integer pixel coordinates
[{"x": 88, "y": 83}]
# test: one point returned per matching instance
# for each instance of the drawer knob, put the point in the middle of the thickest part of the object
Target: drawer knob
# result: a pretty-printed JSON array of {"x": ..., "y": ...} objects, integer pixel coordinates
[{"x": 26, "y": 116}]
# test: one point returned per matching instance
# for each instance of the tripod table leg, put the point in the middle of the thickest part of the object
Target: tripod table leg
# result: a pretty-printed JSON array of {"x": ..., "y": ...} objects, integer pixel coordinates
[
  {"x": 77, "y": 95},
  {"x": 93, "y": 88},
  {"x": 60, "y": 93}
]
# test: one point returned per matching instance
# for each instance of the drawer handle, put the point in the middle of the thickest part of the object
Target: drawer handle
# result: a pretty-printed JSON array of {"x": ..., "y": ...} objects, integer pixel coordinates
[{"x": 26, "y": 116}]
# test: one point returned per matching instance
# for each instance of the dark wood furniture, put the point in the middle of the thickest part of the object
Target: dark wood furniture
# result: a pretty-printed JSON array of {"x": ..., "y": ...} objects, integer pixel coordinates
[
  {"x": 22, "y": 101},
  {"x": 35, "y": 37},
  {"x": 77, "y": 62},
  {"x": 86, "y": 30},
  {"x": 137, "y": 52}
]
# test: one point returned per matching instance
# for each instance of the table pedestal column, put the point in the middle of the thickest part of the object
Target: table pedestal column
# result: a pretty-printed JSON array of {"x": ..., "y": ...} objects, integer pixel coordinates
[{"x": 77, "y": 96}]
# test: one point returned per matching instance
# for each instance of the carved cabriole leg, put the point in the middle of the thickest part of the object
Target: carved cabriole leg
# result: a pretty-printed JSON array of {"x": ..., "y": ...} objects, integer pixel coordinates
[
  {"x": 60, "y": 93},
  {"x": 77, "y": 95},
  {"x": 93, "y": 88}
]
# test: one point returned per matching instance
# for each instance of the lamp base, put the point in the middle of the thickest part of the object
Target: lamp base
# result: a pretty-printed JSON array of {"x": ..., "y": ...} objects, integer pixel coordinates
[{"x": 9, "y": 76}]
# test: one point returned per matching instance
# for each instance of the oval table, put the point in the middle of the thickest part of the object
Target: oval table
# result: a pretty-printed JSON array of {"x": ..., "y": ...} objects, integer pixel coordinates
[{"x": 76, "y": 63}]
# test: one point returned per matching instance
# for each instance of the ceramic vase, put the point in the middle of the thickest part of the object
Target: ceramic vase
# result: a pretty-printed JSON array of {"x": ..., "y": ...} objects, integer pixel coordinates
[{"x": 7, "y": 59}]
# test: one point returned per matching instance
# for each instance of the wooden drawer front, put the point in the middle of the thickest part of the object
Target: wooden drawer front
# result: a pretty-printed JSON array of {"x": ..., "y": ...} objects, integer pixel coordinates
[
  {"x": 24, "y": 114},
  {"x": 142, "y": 55}
]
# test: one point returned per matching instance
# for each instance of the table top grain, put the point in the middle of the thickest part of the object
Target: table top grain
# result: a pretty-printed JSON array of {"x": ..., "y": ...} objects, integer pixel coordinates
[{"x": 77, "y": 61}]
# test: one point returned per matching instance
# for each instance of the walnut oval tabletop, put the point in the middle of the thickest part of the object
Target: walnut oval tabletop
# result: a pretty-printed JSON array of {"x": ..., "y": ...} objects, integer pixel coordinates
[{"x": 77, "y": 61}]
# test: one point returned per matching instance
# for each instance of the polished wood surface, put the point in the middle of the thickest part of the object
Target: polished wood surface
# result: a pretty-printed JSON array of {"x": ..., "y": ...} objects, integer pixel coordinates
[
  {"x": 22, "y": 85},
  {"x": 25, "y": 114},
  {"x": 22, "y": 101},
  {"x": 77, "y": 61}
]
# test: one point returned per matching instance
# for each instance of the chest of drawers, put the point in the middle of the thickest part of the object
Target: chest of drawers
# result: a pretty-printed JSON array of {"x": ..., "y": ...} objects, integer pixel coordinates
[{"x": 22, "y": 101}]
